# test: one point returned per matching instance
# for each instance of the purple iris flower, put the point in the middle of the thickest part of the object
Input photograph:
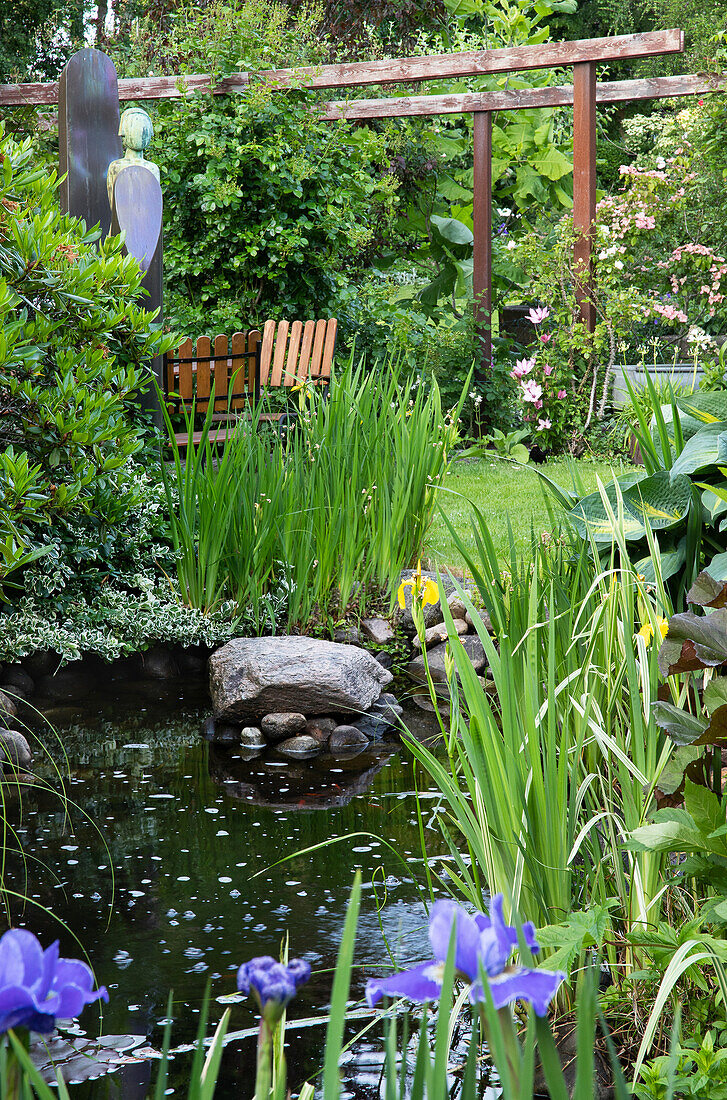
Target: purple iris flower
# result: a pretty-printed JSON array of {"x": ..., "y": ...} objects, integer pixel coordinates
[
  {"x": 37, "y": 986},
  {"x": 480, "y": 942},
  {"x": 273, "y": 983}
]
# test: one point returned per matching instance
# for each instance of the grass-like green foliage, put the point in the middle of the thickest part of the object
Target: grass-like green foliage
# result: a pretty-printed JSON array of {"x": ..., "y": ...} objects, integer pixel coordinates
[
  {"x": 558, "y": 761},
  {"x": 333, "y": 510},
  {"x": 511, "y": 498},
  {"x": 73, "y": 339}
]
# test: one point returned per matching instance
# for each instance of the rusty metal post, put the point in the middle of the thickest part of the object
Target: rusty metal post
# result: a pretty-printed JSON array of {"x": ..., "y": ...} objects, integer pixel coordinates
[
  {"x": 482, "y": 227},
  {"x": 584, "y": 184}
]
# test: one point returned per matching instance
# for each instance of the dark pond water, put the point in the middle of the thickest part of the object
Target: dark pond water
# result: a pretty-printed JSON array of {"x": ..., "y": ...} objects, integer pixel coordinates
[{"x": 163, "y": 867}]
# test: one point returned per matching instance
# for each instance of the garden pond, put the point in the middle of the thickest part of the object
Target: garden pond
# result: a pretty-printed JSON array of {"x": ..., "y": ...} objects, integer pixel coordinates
[{"x": 166, "y": 869}]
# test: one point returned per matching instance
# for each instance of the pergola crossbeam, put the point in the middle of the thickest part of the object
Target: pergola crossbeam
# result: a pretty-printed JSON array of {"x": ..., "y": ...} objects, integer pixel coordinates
[
  {"x": 398, "y": 70},
  {"x": 463, "y": 103}
]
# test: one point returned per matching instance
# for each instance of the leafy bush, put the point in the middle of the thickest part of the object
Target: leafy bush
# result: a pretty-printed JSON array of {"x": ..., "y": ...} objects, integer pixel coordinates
[
  {"x": 107, "y": 590},
  {"x": 72, "y": 347},
  {"x": 267, "y": 208}
]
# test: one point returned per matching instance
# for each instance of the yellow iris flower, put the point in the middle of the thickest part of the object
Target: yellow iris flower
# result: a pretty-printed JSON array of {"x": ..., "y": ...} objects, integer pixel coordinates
[
  {"x": 423, "y": 590},
  {"x": 647, "y": 630}
]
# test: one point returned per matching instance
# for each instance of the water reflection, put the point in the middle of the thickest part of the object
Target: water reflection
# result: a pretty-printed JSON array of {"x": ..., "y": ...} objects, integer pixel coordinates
[{"x": 167, "y": 870}]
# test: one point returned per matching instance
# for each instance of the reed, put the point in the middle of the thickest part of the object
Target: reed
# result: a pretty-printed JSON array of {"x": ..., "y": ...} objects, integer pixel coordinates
[{"x": 326, "y": 515}]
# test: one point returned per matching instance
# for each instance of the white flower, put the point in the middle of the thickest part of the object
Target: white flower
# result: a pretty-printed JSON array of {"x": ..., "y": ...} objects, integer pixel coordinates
[
  {"x": 510, "y": 245},
  {"x": 618, "y": 264},
  {"x": 504, "y": 211}
]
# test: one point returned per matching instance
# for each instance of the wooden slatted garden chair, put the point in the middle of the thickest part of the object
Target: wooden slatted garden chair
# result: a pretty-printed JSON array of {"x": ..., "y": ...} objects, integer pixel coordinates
[
  {"x": 232, "y": 365},
  {"x": 245, "y": 367}
]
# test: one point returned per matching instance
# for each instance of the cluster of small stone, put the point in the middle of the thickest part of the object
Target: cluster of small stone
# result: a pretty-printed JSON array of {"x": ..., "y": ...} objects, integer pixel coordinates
[
  {"x": 292, "y": 734},
  {"x": 435, "y": 641}
]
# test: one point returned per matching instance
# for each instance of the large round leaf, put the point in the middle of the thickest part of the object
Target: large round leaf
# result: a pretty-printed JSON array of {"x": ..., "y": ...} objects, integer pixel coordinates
[
  {"x": 656, "y": 501},
  {"x": 453, "y": 231},
  {"x": 707, "y": 406},
  {"x": 689, "y": 426},
  {"x": 707, "y": 448},
  {"x": 671, "y": 560}
]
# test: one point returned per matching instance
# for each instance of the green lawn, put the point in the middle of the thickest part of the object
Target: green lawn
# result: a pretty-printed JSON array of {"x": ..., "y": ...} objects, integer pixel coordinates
[{"x": 501, "y": 489}]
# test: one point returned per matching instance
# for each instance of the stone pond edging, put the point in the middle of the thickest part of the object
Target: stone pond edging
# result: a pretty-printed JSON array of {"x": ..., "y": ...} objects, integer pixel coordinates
[{"x": 335, "y": 694}]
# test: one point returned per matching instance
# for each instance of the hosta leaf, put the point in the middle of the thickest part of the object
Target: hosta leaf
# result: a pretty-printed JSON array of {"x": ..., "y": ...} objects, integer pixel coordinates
[
  {"x": 656, "y": 501},
  {"x": 689, "y": 426},
  {"x": 708, "y": 447},
  {"x": 694, "y": 642},
  {"x": 714, "y": 500},
  {"x": 717, "y": 567},
  {"x": 709, "y": 407},
  {"x": 671, "y": 563}
]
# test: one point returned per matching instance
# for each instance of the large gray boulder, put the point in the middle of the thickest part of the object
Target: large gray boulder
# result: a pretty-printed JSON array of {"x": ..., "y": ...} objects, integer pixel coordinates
[
  {"x": 252, "y": 677},
  {"x": 14, "y": 749}
]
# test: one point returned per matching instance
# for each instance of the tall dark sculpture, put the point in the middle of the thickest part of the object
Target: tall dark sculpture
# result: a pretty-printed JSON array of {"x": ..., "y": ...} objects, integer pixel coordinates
[
  {"x": 108, "y": 181},
  {"x": 88, "y": 135}
]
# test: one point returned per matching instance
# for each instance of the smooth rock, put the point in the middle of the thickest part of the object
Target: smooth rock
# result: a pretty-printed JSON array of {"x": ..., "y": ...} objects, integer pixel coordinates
[
  {"x": 17, "y": 679},
  {"x": 347, "y": 635},
  {"x": 456, "y": 605},
  {"x": 70, "y": 683},
  {"x": 8, "y": 705},
  {"x": 158, "y": 663},
  {"x": 277, "y": 727},
  {"x": 298, "y": 746},
  {"x": 42, "y": 663},
  {"x": 345, "y": 738},
  {"x": 192, "y": 661},
  {"x": 386, "y": 660},
  {"x": 485, "y": 618},
  {"x": 14, "y": 749},
  {"x": 371, "y": 725},
  {"x": 437, "y": 635},
  {"x": 320, "y": 729},
  {"x": 388, "y": 707},
  {"x": 435, "y": 659},
  {"x": 251, "y": 738},
  {"x": 250, "y": 677},
  {"x": 377, "y": 631}
]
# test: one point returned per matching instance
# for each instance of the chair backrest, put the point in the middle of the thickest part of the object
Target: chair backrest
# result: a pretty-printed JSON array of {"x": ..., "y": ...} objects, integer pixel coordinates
[
  {"x": 292, "y": 354},
  {"x": 229, "y": 363}
]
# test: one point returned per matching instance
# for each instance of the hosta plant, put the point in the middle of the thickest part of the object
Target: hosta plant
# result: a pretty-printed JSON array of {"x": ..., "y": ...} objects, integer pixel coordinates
[{"x": 677, "y": 504}]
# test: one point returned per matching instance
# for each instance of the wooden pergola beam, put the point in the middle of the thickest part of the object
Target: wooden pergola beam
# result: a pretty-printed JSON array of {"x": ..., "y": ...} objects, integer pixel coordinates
[
  {"x": 463, "y": 103},
  {"x": 398, "y": 70}
]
